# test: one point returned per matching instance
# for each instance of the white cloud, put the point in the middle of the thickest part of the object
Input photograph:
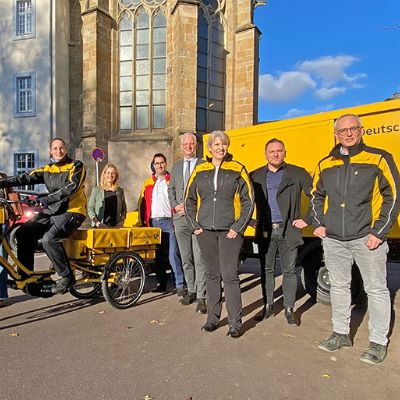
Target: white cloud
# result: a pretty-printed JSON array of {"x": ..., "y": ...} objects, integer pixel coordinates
[
  {"x": 327, "y": 93},
  {"x": 331, "y": 69},
  {"x": 285, "y": 87},
  {"x": 325, "y": 76},
  {"x": 296, "y": 112}
]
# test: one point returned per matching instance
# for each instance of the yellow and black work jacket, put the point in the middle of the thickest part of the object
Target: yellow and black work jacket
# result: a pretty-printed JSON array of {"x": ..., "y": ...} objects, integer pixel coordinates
[
  {"x": 64, "y": 181},
  {"x": 357, "y": 194},
  {"x": 229, "y": 206}
]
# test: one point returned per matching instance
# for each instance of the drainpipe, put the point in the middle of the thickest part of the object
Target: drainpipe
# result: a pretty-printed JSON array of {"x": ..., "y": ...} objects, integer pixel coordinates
[{"x": 51, "y": 52}]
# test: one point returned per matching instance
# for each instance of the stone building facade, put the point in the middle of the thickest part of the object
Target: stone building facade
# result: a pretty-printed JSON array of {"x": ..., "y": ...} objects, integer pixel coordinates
[{"x": 142, "y": 72}]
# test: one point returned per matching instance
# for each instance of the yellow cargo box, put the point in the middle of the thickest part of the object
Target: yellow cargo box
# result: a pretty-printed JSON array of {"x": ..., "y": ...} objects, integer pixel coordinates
[
  {"x": 142, "y": 240},
  {"x": 109, "y": 238},
  {"x": 144, "y": 236}
]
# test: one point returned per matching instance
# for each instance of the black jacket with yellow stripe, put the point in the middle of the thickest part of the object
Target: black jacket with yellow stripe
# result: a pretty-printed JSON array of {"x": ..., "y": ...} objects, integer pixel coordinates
[
  {"x": 228, "y": 207},
  {"x": 65, "y": 182},
  {"x": 357, "y": 194}
]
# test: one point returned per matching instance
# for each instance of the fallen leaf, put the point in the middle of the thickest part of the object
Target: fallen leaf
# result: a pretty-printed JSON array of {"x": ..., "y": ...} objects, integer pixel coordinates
[
  {"x": 154, "y": 321},
  {"x": 288, "y": 335},
  {"x": 333, "y": 358},
  {"x": 147, "y": 397},
  {"x": 101, "y": 312},
  {"x": 14, "y": 334},
  {"x": 326, "y": 376}
]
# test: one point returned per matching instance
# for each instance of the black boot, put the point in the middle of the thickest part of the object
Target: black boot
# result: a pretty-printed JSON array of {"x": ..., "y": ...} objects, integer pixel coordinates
[
  {"x": 63, "y": 284},
  {"x": 267, "y": 311},
  {"x": 290, "y": 317}
]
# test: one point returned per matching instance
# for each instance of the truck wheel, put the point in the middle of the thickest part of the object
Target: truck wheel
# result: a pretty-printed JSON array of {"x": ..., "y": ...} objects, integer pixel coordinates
[
  {"x": 310, "y": 261},
  {"x": 323, "y": 287}
]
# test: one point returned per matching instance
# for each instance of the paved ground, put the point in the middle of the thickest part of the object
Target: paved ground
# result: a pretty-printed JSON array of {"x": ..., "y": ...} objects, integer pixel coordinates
[{"x": 63, "y": 348}]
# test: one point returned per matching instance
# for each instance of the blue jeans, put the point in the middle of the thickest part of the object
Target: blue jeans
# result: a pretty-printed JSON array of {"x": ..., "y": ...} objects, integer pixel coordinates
[
  {"x": 169, "y": 246},
  {"x": 339, "y": 258},
  {"x": 3, "y": 271}
]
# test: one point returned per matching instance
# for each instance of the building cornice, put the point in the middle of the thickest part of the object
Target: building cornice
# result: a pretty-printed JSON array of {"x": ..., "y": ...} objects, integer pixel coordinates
[
  {"x": 179, "y": 2},
  {"x": 96, "y": 9},
  {"x": 247, "y": 27}
]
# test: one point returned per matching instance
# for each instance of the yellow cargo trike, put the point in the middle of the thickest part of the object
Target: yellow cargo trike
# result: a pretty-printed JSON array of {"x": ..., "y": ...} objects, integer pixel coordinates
[{"x": 111, "y": 260}]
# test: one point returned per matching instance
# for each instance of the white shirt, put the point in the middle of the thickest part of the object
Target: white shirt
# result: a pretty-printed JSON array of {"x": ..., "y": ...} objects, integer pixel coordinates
[
  {"x": 160, "y": 205},
  {"x": 216, "y": 177}
]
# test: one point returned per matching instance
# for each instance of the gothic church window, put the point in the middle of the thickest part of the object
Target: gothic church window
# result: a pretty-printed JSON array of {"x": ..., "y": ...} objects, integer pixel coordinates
[
  {"x": 211, "y": 68},
  {"x": 142, "y": 62}
]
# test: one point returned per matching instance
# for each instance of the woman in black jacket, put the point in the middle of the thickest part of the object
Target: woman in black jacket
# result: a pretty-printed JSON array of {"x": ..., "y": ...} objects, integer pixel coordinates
[{"x": 219, "y": 204}]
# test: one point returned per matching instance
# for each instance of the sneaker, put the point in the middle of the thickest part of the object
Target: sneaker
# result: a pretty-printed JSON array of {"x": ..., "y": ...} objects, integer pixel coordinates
[
  {"x": 63, "y": 284},
  {"x": 188, "y": 299},
  {"x": 335, "y": 342},
  {"x": 375, "y": 353},
  {"x": 201, "y": 307}
]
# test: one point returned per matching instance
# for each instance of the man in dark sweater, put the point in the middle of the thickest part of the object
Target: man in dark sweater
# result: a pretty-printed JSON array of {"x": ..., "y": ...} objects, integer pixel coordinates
[{"x": 277, "y": 188}]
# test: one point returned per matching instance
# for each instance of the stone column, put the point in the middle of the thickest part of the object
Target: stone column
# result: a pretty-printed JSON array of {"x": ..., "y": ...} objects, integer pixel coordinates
[
  {"x": 244, "y": 69},
  {"x": 97, "y": 69},
  {"x": 183, "y": 64}
]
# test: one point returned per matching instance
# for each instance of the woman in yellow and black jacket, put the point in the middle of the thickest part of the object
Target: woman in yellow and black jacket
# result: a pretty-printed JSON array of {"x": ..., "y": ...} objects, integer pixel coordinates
[
  {"x": 64, "y": 210},
  {"x": 219, "y": 202}
]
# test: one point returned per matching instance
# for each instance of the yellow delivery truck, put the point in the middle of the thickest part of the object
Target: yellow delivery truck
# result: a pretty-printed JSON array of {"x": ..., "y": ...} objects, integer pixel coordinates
[{"x": 308, "y": 139}]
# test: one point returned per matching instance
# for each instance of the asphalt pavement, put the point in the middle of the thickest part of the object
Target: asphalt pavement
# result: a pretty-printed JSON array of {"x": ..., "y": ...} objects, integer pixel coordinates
[{"x": 65, "y": 348}]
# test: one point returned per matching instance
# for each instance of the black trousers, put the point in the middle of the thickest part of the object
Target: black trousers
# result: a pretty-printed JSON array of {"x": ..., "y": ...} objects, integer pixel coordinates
[
  {"x": 277, "y": 243},
  {"x": 221, "y": 257},
  {"x": 51, "y": 229}
]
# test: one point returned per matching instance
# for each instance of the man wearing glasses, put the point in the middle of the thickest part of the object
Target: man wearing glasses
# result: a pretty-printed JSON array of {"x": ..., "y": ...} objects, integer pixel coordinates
[
  {"x": 355, "y": 201},
  {"x": 155, "y": 210}
]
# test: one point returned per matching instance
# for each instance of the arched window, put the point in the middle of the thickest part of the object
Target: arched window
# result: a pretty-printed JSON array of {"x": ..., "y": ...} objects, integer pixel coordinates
[
  {"x": 211, "y": 71},
  {"x": 142, "y": 61}
]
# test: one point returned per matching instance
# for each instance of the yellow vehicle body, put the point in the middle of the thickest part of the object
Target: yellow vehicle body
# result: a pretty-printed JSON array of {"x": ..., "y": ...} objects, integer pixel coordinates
[{"x": 308, "y": 139}]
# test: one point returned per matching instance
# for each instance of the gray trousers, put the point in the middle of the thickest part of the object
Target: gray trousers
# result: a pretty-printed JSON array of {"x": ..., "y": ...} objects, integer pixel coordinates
[
  {"x": 339, "y": 257},
  {"x": 276, "y": 243},
  {"x": 221, "y": 256},
  {"x": 192, "y": 261}
]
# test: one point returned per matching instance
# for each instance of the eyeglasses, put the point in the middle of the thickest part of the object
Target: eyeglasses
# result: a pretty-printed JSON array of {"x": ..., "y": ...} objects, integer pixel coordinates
[
  {"x": 159, "y": 163},
  {"x": 352, "y": 129}
]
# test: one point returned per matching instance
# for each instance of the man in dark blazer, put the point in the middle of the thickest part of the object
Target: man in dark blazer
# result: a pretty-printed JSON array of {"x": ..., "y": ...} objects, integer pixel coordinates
[
  {"x": 277, "y": 189},
  {"x": 193, "y": 264}
]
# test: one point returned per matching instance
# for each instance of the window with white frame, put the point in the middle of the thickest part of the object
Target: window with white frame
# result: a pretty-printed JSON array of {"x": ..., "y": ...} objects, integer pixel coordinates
[
  {"x": 24, "y": 162},
  {"x": 24, "y": 89},
  {"x": 24, "y": 19}
]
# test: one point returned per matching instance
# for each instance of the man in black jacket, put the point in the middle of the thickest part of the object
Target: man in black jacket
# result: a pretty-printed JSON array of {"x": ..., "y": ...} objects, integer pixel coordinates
[
  {"x": 277, "y": 189},
  {"x": 64, "y": 210},
  {"x": 355, "y": 201}
]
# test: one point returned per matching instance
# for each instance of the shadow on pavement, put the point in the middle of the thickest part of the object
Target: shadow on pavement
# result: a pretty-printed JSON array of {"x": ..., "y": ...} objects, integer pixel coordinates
[{"x": 49, "y": 312}]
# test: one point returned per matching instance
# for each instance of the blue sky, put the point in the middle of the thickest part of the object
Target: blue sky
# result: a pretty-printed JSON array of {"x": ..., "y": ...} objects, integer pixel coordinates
[{"x": 320, "y": 55}]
